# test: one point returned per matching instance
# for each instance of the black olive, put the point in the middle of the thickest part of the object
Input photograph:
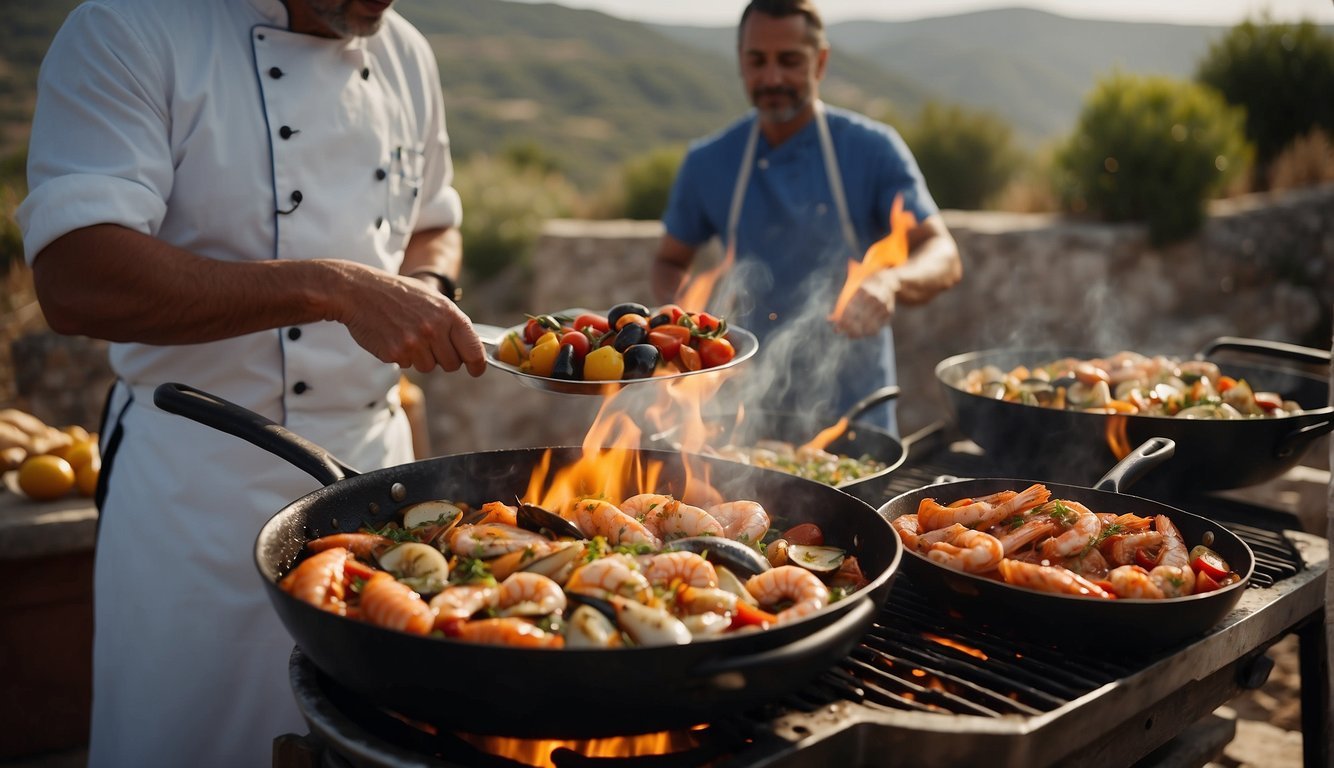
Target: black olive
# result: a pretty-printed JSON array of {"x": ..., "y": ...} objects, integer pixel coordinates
[
  {"x": 564, "y": 367},
  {"x": 640, "y": 361},
  {"x": 621, "y": 310},
  {"x": 629, "y": 336},
  {"x": 662, "y": 318}
]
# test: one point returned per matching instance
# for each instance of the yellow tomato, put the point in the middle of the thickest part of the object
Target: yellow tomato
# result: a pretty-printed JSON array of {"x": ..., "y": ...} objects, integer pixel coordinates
[
  {"x": 45, "y": 477},
  {"x": 85, "y": 477},
  {"x": 604, "y": 364},
  {"x": 512, "y": 350},
  {"x": 82, "y": 453},
  {"x": 543, "y": 356}
]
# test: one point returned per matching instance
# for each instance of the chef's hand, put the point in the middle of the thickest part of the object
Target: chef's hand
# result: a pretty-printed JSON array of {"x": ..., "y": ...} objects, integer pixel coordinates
[
  {"x": 403, "y": 320},
  {"x": 871, "y": 307}
]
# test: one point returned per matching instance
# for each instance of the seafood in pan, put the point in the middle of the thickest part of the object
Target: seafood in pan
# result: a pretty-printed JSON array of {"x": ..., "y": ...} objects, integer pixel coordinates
[
  {"x": 1028, "y": 539},
  {"x": 803, "y": 461},
  {"x": 649, "y": 570},
  {"x": 1130, "y": 383}
]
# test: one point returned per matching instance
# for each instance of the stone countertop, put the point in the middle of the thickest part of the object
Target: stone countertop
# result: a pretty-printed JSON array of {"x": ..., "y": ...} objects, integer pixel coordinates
[{"x": 42, "y": 528}]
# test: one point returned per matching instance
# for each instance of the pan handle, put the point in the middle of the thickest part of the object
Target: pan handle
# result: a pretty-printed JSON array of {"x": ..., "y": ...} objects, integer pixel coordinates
[
  {"x": 1148, "y": 455},
  {"x": 489, "y": 334},
  {"x": 888, "y": 392},
  {"x": 1297, "y": 440},
  {"x": 225, "y": 416},
  {"x": 1278, "y": 349},
  {"x": 790, "y": 653}
]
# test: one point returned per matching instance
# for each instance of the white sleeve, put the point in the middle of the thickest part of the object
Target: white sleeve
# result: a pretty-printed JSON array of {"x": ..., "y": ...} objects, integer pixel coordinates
[
  {"x": 440, "y": 206},
  {"x": 100, "y": 151}
]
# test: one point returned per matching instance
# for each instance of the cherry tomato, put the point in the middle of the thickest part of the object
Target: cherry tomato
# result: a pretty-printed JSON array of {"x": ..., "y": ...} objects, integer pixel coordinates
[
  {"x": 512, "y": 350},
  {"x": 579, "y": 341},
  {"x": 715, "y": 352},
  {"x": 628, "y": 308},
  {"x": 805, "y": 534},
  {"x": 689, "y": 358},
  {"x": 1205, "y": 560},
  {"x": 589, "y": 320},
  {"x": 1225, "y": 383},
  {"x": 536, "y": 326},
  {"x": 667, "y": 314},
  {"x": 1205, "y": 583},
  {"x": 640, "y": 361},
  {"x": 604, "y": 364},
  {"x": 667, "y": 344},
  {"x": 1146, "y": 559},
  {"x": 705, "y": 322},
  {"x": 1268, "y": 400}
]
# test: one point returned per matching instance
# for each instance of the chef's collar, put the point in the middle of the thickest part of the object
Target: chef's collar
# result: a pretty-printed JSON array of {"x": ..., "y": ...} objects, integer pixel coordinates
[{"x": 274, "y": 12}]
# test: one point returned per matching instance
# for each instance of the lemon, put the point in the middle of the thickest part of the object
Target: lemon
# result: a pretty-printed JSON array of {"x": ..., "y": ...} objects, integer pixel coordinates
[
  {"x": 45, "y": 477},
  {"x": 85, "y": 477},
  {"x": 81, "y": 453}
]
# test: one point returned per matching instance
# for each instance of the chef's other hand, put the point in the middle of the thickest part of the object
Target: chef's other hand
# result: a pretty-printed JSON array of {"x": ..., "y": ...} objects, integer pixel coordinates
[
  {"x": 871, "y": 306},
  {"x": 402, "y": 320}
]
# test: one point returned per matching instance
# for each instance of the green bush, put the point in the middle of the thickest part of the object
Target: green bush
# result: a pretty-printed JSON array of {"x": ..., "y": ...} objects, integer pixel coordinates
[
  {"x": 646, "y": 183},
  {"x": 967, "y": 156},
  {"x": 1151, "y": 149},
  {"x": 504, "y": 207},
  {"x": 1283, "y": 74}
]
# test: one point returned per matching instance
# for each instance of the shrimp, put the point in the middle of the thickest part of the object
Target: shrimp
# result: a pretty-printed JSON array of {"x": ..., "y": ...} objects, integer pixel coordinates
[
  {"x": 1119, "y": 549},
  {"x": 1174, "y": 580},
  {"x": 1082, "y": 530},
  {"x": 508, "y": 631},
  {"x": 386, "y": 602},
  {"x": 684, "y": 567},
  {"x": 1133, "y": 582},
  {"x": 983, "y": 512},
  {"x": 499, "y": 512},
  {"x": 491, "y": 540},
  {"x": 365, "y": 545},
  {"x": 1089, "y": 564},
  {"x": 967, "y": 550},
  {"x": 319, "y": 580},
  {"x": 669, "y": 518},
  {"x": 612, "y": 575},
  {"x": 462, "y": 600},
  {"x": 597, "y": 517},
  {"x": 1048, "y": 578},
  {"x": 789, "y": 583},
  {"x": 745, "y": 521},
  {"x": 529, "y": 594},
  {"x": 907, "y": 528},
  {"x": 1174, "y": 552},
  {"x": 1028, "y": 531}
]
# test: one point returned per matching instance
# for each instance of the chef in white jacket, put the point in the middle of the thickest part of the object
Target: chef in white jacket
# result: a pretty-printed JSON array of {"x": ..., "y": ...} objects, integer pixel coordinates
[{"x": 251, "y": 197}]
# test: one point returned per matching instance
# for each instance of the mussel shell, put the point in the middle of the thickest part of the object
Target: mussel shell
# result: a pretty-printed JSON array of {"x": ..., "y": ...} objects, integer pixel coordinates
[
  {"x": 741, "y": 558},
  {"x": 538, "y": 520}
]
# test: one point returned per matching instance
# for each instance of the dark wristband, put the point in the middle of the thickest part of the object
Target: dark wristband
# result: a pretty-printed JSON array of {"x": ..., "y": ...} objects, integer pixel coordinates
[{"x": 448, "y": 288}]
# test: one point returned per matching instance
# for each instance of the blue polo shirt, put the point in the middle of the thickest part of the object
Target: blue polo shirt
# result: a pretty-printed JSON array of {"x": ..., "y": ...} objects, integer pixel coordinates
[{"x": 792, "y": 258}]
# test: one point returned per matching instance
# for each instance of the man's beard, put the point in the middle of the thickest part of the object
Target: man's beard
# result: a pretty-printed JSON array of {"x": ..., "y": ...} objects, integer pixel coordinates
[
  {"x": 337, "y": 15},
  {"x": 796, "y": 102}
]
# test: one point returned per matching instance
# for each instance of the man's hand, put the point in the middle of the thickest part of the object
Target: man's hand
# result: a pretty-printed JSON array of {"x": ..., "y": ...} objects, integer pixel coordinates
[{"x": 871, "y": 307}]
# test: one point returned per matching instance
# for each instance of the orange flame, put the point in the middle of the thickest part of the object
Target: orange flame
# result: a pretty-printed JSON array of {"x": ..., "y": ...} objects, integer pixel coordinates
[
  {"x": 538, "y": 752},
  {"x": 827, "y": 435},
  {"x": 694, "y": 297},
  {"x": 1117, "y": 440},
  {"x": 956, "y": 645},
  {"x": 889, "y": 251}
]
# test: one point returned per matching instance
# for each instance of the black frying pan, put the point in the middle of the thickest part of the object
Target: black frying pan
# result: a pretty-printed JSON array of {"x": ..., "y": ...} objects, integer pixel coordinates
[
  {"x": 859, "y": 439},
  {"x": 1125, "y": 624},
  {"x": 1211, "y": 454},
  {"x": 546, "y": 693}
]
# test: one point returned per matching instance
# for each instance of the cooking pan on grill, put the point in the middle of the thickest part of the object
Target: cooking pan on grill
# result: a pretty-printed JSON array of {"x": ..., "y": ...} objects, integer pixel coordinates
[
  {"x": 743, "y": 341},
  {"x": 859, "y": 439},
  {"x": 546, "y": 692},
  {"x": 1211, "y": 454},
  {"x": 1140, "y": 624}
]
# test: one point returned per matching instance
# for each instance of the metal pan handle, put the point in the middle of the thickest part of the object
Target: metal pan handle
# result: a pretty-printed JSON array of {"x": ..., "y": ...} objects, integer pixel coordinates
[
  {"x": 1277, "y": 349},
  {"x": 796, "y": 652},
  {"x": 888, "y": 392},
  {"x": 489, "y": 334},
  {"x": 225, "y": 416},
  {"x": 1148, "y": 455}
]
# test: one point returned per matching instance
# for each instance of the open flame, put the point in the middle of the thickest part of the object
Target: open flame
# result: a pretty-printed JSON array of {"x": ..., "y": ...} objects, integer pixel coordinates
[
  {"x": 538, "y": 752},
  {"x": 1117, "y": 440},
  {"x": 827, "y": 435},
  {"x": 956, "y": 645},
  {"x": 889, "y": 251},
  {"x": 694, "y": 297}
]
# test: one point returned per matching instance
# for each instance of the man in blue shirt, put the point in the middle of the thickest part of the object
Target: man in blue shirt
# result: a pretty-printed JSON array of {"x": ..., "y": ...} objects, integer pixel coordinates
[{"x": 795, "y": 190}]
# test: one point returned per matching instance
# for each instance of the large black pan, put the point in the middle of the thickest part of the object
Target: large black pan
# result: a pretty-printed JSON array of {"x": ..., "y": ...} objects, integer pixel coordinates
[
  {"x": 1124, "y": 624},
  {"x": 1211, "y": 454},
  {"x": 859, "y": 439},
  {"x": 546, "y": 693}
]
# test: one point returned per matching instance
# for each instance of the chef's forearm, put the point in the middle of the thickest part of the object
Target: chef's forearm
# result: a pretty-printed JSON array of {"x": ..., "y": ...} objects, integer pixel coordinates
[
  {"x": 933, "y": 265},
  {"x": 113, "y": 283},
  {"x": 434, "y": 250}
]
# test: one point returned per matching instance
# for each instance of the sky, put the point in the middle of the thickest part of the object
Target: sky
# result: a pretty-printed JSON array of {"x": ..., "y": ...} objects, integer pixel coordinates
[{"x": 1211, "y": 12}]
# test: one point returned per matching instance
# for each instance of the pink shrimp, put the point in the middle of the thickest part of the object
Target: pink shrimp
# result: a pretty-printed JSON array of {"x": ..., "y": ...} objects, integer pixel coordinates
[
  {"x": 1173, "y": 580},
  {"x": 498, "y": 512},
  {"x": 964, "y": 549},
  {"x": 1174, "y": 552},
  {"x": 611, "y": 575},
  {"x": 596, "y": 517},
  {"x": 1120, "y": 549},
  {"x": 1133, "y": 582},
  {"x": 491, "y": 540},
  {"x": 907, "y": 528},
  {"x": 1033, "y": 528},
  {"x": 508, "y": 631},
  {"x": 670, "y": 518},
  {"x": 745, "y": 521},
  {"x": 529, "y": 594},
  {"x": 789, "y": 583},
  {"x": 319, "y": 580},
  {"x": 462, "y": 600},
  {"x": 1048, "y": 578},
  {"x": 683, "y": 567},
  {"x": 363, "y": 545},
  {"x": 386, "y": 602},
  {"x": 982, "y": 512},
  {"x": 1084, "y": 526}
]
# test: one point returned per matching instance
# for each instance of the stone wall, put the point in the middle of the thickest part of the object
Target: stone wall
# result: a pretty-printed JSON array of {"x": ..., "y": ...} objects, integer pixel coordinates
[{"x": 1262, "y": 267}]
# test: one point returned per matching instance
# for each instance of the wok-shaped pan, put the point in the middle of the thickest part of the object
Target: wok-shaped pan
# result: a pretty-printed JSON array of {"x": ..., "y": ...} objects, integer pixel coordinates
[
  {"x": 743, "y": 342},
  {"x": 1122, "y": 623},
  {"x": 859, "y": 439},
  {"x": 544, "y": 692},
  {"x": 1211, "y": 454}
]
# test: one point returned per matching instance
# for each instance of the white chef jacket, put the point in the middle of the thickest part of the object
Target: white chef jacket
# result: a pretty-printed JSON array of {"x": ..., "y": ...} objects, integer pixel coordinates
[{"x": 207, "y": 124}]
